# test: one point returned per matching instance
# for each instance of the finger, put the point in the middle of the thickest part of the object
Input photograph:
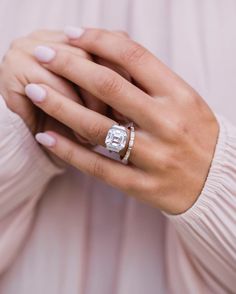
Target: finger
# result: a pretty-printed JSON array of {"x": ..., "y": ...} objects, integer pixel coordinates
[
  {"x": 142, "y": 65},
  {"x": 27, "y": 44},
  {"x": 122, "y": 34},
  {"x": 87, "y": 123},
  {"x": 14, "y": 84},
  {"x": 117, "y": 115},
  {"x": 112, "y": 172},
  {"x": 59, "y": 36},
  {"x": 100, "y": 81},
  {"x": 121, "y": 72},
  {"x": 113, "y": 67},
  {"x": 109, "y": 64},
  {"x": 91, "y": 102},
  {"x": 48, "y": 35},
  {"x": 37, "y": 74}
]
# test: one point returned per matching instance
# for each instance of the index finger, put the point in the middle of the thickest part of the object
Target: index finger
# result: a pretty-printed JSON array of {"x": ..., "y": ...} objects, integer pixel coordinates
[
  {"x": 154, "y": 76},
  {"x": 100, "y": 81}
]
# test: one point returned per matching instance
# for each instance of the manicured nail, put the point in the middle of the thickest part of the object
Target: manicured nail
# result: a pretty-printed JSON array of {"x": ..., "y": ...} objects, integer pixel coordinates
[
  {"x": 44, "y": 54},
  {"x": 45, "y": 139},
  {"x": 35, "y": 92},
  {"x": 73, "y": 32}
]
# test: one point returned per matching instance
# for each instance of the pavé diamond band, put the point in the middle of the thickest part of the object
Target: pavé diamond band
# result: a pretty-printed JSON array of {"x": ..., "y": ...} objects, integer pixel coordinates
[{"x": 125, "y": 159}]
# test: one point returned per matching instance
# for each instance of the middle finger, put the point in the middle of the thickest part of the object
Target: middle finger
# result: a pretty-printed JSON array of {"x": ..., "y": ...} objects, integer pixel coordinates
[{"x": 102, "y": 82}]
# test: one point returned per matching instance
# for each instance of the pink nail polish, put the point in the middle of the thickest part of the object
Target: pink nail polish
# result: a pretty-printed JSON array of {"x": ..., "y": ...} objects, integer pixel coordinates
[
  {"x": 73, "y": 32},
  {"x": 45, "y": 139},
  {"x": 35, "y": 92},
  {"x": 44, "y": 54}
]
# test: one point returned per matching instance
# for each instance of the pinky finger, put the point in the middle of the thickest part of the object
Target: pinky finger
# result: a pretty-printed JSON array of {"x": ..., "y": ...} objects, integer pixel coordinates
[{"x": 110, "y": 171}]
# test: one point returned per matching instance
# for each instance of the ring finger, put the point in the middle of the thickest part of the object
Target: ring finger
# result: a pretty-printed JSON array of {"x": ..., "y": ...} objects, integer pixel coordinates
[{"x": 87, "y": 123}]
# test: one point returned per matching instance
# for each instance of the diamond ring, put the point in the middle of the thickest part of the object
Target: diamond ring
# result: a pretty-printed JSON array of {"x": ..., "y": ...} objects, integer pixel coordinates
[{"x": 116, "y": 138}]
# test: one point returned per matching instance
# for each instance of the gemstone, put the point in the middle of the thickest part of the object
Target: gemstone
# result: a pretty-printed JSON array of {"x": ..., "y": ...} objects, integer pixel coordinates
[{"x": 116, "y": 138}]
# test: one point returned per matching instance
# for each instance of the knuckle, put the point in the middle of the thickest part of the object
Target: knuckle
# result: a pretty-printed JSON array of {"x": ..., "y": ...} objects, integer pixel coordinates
[
  {"x": 141, "y": 186},
  {"x": 82, "y": 53},
  {"x": 94, "y": 132},
  {"x": 92, "y": 38},
  {"x": 147, "y": 185},
  {"x": 68, "y": 155},
  {"x": 176, "y": 130},
  {"x": 108, "y": 83},
  {"x": 166, "y": 163},
  {"x": 187, "y": 94},
  {"x": 196, "y": 101},
  {"x": 133, "y": 53},
  {"x": 94, "y": 35},
  {"x": 180, "y": 130},
  {"x": 170, "y": 160},
  {"x": 131, "y": 184},
  {"x": 96, "y": 168},
  {"x": 56, "y": 110},
  {"x": 63, "y": 62}
]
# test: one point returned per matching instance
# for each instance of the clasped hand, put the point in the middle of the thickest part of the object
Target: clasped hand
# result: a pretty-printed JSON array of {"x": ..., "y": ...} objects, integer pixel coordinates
[{"x": 176, "y": 131}]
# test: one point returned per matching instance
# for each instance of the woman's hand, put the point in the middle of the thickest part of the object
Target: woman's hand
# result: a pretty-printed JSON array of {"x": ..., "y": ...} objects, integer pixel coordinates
[
  {"x": 176, "y": 132},
  {"x": 18, "y": 67}
]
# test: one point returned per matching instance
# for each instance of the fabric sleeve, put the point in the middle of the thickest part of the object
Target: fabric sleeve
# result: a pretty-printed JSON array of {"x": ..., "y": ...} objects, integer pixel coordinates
[
  {"x": 207, "y": 231},
  {"x": 25, "y": 171}
]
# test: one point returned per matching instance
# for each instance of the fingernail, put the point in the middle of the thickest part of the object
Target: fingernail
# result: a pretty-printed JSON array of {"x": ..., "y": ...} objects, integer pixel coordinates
[
  {"x": 45, "y": 139},
  {"x": 44, "y": 54},
  {"x": 73, "y": 32},
  {"x": 35, "y": 92}
]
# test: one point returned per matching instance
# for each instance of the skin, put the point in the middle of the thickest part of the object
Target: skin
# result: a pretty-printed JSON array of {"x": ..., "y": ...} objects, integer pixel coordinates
[
  {"x": 19, "y": 66},
  {"x": 176, "y": 132}
]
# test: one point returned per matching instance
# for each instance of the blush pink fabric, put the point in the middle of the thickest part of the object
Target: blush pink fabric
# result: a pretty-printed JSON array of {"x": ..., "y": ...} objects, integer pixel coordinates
[{"x": 66, "y": 233}]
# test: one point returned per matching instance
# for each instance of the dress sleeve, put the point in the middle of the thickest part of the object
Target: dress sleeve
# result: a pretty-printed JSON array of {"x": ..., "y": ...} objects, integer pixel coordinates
[
  {"x": 25, "y": 171},
  {"x": 206, "y": 233}
]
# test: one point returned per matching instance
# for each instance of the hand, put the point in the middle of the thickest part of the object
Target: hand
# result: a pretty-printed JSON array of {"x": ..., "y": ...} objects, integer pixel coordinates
[
  {"x": 176, "y": 132},
  {"x": 19, "y": 66}
]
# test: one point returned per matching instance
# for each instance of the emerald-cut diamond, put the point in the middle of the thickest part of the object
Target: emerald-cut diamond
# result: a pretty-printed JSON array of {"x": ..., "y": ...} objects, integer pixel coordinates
[{"x": 116, "y": 138}]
